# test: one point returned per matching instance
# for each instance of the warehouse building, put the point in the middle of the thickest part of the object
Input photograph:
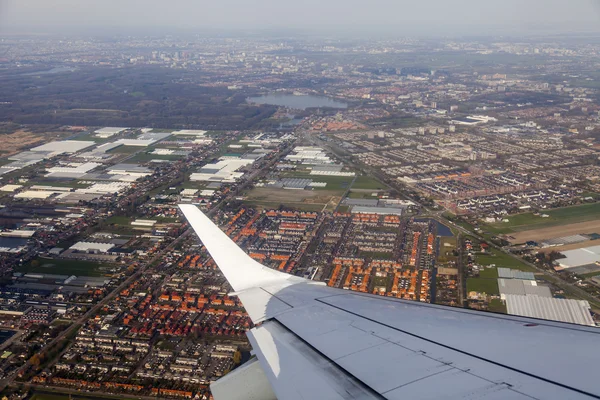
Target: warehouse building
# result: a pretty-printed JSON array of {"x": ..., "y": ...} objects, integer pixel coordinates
[
  {"x": 63, "y": 147},
  {"x": 108, "y": 132},
  {"x": 189, "y": 132},
  {"x": 92, "y": 247},
  {"x": 101, "y": 152},
  {"x": 508, "y": 273},
  {"x": 225, "y": 170},
  {"x": 376, "y": 210},
  {"x": 579, "y": 258},
  {"x": 522, "y": 288},
  {"x": 145, "y": 139},
  {"x": 563, "y": 310},
  {"x": 71, "y": 170}
]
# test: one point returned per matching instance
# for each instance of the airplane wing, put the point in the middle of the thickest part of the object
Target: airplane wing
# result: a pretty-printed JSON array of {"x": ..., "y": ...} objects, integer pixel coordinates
[{"x": 316, "y": 342}]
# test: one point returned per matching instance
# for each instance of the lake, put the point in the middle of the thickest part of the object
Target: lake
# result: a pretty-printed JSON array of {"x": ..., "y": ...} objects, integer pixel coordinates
[{"x": 297, "y": 102}]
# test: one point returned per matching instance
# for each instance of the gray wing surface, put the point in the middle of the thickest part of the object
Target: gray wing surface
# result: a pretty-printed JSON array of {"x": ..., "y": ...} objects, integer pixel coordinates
[{"x": 316, "y": 342}]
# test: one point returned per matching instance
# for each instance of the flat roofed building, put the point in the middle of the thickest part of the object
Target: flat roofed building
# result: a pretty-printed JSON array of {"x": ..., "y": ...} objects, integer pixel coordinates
[
  {"x": 144, "y": 222},
  {"x": 522, "y": 287},
  {"x": 189, "y": 132},
  {"x": 92, "y": 247},
  {"x": 579, "y": 257},
  {"x": 34, "y": 194},
  {"x": 224, "y": 170},
  {"x": 72, "y": 170},
  {"x": 564, "y": 310},
  {"x": 145, "y": 139},
  {"x": 65, "y": 146},
  {"x": 376, "y": 210},
  {"x": 10, "y": 188},
  {"x": 109, "y": 131},
  {"x": 18, "y": 234},
  {"x": 508, "y": 273}
]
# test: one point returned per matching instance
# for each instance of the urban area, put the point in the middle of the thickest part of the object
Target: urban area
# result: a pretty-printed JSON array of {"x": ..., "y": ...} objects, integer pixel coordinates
[{"x": 461, "y": 173}]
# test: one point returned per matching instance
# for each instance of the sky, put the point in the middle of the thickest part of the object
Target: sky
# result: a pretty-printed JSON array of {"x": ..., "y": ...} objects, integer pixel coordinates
[{"x": 435, "y": 17}]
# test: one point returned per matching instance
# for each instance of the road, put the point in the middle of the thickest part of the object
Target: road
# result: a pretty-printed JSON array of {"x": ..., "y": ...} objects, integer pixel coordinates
[
  {"x": 548, "y": 275},
  {"x": 94, "y": 310},
  {"x": 438, "y": 215}
]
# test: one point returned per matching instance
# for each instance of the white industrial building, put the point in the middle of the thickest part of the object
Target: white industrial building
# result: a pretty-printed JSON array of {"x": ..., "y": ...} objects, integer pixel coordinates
[
  {"x": 522, "y": 287},
  {"x": 108, "y": 132},
  {"x": 10, "y": 188},
  {"x": 92, "y": 247},
  {"x": 100, "y": 152},
  {"x": 34, "y": 195},
  {"x": 564, "y": 310},
  {"x": 71, "y": 170},
  {"x": 579, "y": 257},
  {"x": 224, "y": 170},
  {"x": 132, "y": 171},
  {"x": 376, "y": 210},
  {"x": 309, "y": 155},
  {"x": 332, "y": 173},
  {"x": 189, "y": 192},
  {"x": 189, "y": 132},
  {"x": 473, "y": 120},
  {"x": 64, "y": 147},
  {"x": 146, "y": 223},
  {"x": 104, "y": 188},
  {"x": 23, "y": 234},
  {"x": 145, "y": 139}
]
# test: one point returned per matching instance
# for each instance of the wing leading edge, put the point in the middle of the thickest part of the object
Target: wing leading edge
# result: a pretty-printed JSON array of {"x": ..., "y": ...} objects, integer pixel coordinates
[
  {"x": 344, "y": 345},
  {"x": 241, "y": 271}
]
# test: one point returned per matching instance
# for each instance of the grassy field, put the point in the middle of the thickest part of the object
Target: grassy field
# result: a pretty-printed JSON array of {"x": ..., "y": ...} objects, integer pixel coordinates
[
  {"x": 62, "y": 267},
  {"x": 145, "y": 157},
  {"x": 339, "y": 183},
  {"x": 496, "y": 305},
  {"x": 366, "y": 182},
  {"x": 527, "y": 221},
  {"x": 119, "y": 220},
  {"x": 60, "y": 396},
  {"x": 290, "y": 205},
  {"x": 489, "y": 273},
  {"x": 501, "y": 259},
  {"x": 483, "y": 285}
]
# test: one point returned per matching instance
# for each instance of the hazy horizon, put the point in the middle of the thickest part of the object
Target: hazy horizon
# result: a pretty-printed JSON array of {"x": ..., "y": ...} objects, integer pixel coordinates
[{"x": 434, "y": 17}]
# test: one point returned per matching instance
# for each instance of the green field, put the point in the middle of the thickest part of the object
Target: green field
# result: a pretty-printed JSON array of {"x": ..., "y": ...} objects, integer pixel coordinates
[
  {"x": 380, "y": 281},
  {"x": 338, "y": 183},
  {"x": 483, "y": 285},
  {"x": 60, "y": 396},
  {"x": 119, "y": 220},
  {"x": 288, "y": 205},
  {"x": 527, "y": 221},
  {"x": 361, "y": 195},
  {"x": 366, "y": 182},
  {"x": 489, "y": 273},
  {"x": 59, "y": 266},
  {"x": 501, "y": 259},
  {"x": 496, "y": 305},
  {"x": 145, "y": 157}
]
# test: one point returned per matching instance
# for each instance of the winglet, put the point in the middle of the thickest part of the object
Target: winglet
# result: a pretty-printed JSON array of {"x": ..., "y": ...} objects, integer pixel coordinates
[{"x": 241, "y": 271}]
